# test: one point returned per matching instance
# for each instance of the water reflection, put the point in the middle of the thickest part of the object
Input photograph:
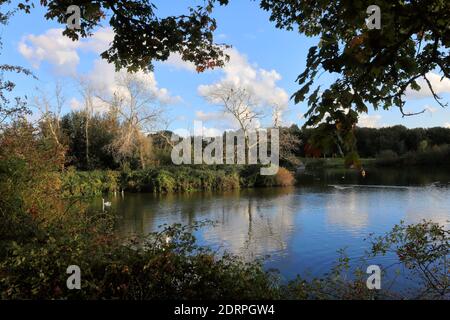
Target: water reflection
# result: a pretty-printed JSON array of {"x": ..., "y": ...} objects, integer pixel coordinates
[
  {"x": 251, "y": 223},
  {"x": 431, "y": 197},
  {"x": 300, "y": 228},
  {"x": 348, "y": 209},
  {"x": 253, "y": 226}
]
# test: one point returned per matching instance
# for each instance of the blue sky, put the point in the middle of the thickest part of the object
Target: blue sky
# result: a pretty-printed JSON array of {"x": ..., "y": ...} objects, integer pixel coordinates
[{"x": 262, "y": 56}]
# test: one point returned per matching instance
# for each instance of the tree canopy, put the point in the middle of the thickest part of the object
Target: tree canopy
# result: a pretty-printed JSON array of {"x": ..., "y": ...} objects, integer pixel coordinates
[
  {"x": 372, "y": 66},
  {"x": 140, "y": 36}
]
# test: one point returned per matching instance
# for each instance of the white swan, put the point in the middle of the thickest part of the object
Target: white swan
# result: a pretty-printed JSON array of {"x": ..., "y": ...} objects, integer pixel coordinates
[{"x": 105, "y": 204}]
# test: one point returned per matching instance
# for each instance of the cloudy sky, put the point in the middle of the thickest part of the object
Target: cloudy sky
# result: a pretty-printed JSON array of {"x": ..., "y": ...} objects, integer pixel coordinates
[{"x": 262, "y": 57}]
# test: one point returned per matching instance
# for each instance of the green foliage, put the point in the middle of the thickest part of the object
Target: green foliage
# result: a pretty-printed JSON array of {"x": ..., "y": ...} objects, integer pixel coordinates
[
  {"x": 370, "y": 67},
  {"x": 180, "y": 179},
  {"x": 88, "y": 183},
  {"x": 435, "y": 156},
  {"x": 101, "y": 134},
  {"x": 15, "y": 223},
  {"x": 170, "y": 265},
  {"x": 167, "y": 179},
  {"x": 371, "y": 142},
  {"x": 141, "y": 37},
  {"x": 152, "y": 268},
  {"x": 251, "y": 177},
  {"x": 423, "y": 248}
]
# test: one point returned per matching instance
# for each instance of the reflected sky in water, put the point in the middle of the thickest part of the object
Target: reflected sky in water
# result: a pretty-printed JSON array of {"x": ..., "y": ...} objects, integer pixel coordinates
[{"x": 300, "y": 228}]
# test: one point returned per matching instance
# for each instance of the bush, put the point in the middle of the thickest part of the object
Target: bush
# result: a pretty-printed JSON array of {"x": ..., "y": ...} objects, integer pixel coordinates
[
  {"x": 155, "y": 269},
  {"x": 170, "y": 265},
  {"x": 180, "y": 179},
  {"x": 88, "y": 183},
  {"x": 284, "y": 178},
  {"x": 168, "y": 179}
]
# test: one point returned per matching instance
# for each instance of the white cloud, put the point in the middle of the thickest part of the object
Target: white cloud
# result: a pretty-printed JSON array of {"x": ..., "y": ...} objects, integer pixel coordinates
[
  {"x": 60, "y": 51},
  {"x": 75, "y": 104},
  {"x": 103, "y": 77},
  {"x": 63, "y": 54},
  {"x": 369, "y": 121},
  {"x": 222, "y": 120},
  {"x": 260, "y": 82},
  {"x": 447, "y": 125},
  {"x": 209, "y": 132},
  {"x": 52, "y": 47},
  {"x": 177, "y": 62},
  {"x": 430, "y": 109},
  {"x": 209, "y": 116},
  {"x": 99, "y": 106},
  {"x": 439, "y": 86}
]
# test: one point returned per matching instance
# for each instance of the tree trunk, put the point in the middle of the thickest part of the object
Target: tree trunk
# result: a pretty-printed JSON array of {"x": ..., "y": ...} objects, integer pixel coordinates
[{"x": 87, "y": 140}]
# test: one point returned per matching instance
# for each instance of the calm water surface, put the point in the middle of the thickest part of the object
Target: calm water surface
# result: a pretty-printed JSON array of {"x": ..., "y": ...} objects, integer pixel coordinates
[{"x": 300, "y": 228}]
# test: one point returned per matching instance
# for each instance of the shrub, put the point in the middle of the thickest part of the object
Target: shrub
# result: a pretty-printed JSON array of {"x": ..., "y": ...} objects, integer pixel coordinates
[
  {"x": 284, "y": 178},
  {"x": 88, "y": 183},
  {"x": 156, "y": 269}
]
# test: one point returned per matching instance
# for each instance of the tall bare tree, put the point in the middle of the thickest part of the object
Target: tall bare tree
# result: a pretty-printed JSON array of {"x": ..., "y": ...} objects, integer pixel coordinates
[
  {"x": 88, "y": 93},
  {"x": 138, "y": 112},
  {"x": 239, "y": 102},
  {"x": 50, "y": 108}
]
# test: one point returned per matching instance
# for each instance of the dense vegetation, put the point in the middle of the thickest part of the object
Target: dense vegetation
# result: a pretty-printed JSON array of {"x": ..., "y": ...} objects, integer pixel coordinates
[
  {"x": 166, "y": 179},
  {"x": 371, "y": 142}
]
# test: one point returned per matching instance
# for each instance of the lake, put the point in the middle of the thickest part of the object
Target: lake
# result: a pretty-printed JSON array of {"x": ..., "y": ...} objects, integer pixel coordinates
[{"x": 299, "y": 228}]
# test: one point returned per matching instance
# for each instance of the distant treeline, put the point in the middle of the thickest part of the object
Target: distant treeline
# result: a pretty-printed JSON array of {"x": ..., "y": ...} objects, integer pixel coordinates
[
  {"x": 295, "y": 143},
  {"x": 399, "y": 140}
]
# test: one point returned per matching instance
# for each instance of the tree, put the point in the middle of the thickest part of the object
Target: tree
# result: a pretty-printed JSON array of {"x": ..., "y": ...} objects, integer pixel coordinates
[
  {"x": 140, "y": 36},
  {"x": 51, "y": 114},
  {"x": 290, "y": 142},
  {"x": 87, "y": 91},
  {"x": 371, "y": 66},
  {"x": 239, "y": 103},
  {"x": 138, "y": 114},
  {"x": 103, "y": 130},
  {"x": 422, "y": 248},
  {"x": 8, "y": 109}
]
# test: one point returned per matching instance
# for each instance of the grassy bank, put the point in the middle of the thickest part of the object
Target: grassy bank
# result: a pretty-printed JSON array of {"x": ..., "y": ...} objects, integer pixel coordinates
[
  {"x": 166, "y": 179},
  {"x": 332, "y": 163}
]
